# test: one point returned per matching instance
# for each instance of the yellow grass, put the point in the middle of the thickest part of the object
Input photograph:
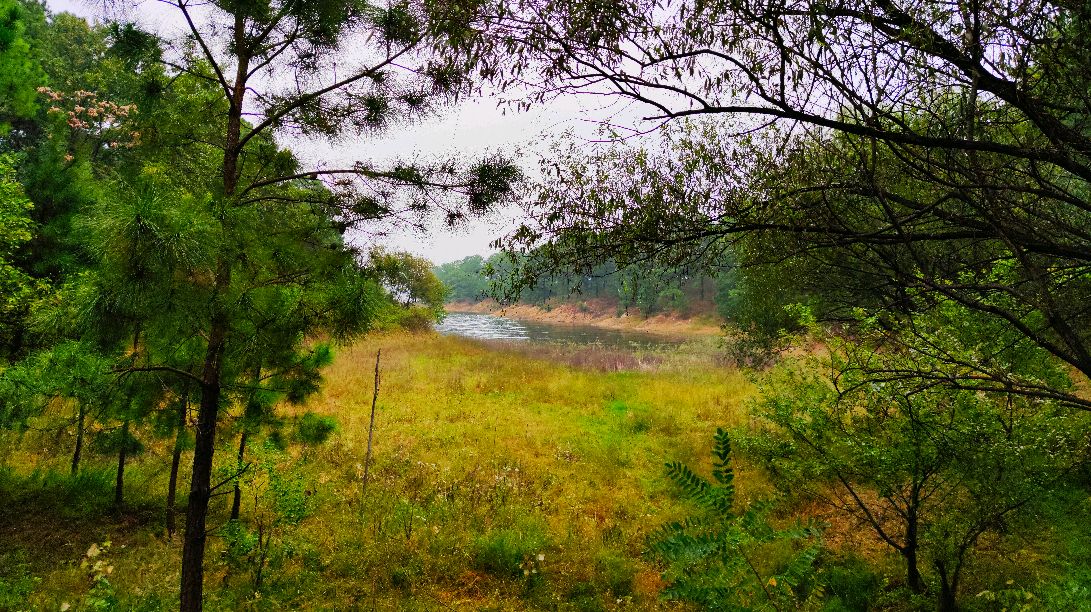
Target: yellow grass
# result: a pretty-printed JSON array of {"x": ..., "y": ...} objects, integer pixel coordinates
[{"x": 482, "y": 455}]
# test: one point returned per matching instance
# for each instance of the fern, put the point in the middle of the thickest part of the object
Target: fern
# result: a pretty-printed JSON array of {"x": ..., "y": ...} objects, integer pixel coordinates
[
  {"x": 693, "y": 486},
  {"x": 712, "y": 558},
  {"x": 721, "y": 468}
]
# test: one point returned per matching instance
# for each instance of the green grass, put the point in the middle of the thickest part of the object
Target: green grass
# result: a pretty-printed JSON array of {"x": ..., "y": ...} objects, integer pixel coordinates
[
  {"x": 503, "y": 479},
  {"x": 484, "y": 460}
]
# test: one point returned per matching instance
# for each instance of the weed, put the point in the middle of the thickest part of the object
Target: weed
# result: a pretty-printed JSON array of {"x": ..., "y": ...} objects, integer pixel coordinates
[
  {"x": 510, "y": 552},
  {"x": 16, "y": 581}
]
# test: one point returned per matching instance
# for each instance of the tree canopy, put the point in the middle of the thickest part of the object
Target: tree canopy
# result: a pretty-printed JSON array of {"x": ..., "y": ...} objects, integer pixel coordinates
[{"x": 896, "y": 156}]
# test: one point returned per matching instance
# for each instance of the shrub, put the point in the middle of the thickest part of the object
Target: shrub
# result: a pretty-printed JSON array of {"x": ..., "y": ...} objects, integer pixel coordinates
[
  {"x": 16, "y": 582},
  {"x": 314, "y": 429},
  {"x": 720, "y": 558},
  {"x": 585, "y": 597},
  {"x": 615, "y": 573},
  {"x": 851, "y": 585},
  {"x": 504, "y": 552}
]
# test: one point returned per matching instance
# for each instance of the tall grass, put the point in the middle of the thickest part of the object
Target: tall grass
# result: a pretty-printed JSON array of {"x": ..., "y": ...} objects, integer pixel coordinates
[{"x": 504, "y": 478}]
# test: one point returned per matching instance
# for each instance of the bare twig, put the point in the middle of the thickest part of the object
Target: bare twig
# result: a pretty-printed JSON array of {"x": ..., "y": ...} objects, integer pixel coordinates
[{"x": 371, "y": 426}]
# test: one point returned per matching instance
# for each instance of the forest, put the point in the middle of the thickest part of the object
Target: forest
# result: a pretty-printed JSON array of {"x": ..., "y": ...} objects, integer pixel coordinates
[
  {"x": 645, "y": 289},
  {"x": 221, "y": 389}
]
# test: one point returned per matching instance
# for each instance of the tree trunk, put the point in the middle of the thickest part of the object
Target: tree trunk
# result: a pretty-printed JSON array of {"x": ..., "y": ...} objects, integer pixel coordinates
[
  {"x": 204, "y": 448},
  {"x": 913, "y": 572},
  {"x": 119, "y": 485},
  {"x": 200, "y": 486},
  {"x": 912, "y": 567},
  {"x": 236, "y": 503},
  {"x": 175, "y": 461},
  {"x": 948, "y": 585},
  {"x": 79, "y": 439}
]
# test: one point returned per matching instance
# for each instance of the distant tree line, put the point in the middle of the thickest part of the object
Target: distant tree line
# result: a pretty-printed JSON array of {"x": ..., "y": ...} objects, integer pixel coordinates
[{"x": 644, "y": 289}]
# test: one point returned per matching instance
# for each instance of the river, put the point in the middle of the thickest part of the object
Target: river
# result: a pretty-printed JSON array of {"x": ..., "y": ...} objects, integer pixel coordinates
[{"x": 491, "y": 327}]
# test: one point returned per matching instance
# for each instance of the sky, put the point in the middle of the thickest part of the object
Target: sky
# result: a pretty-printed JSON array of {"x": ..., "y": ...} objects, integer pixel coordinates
[{"x": 469, "y": 130}]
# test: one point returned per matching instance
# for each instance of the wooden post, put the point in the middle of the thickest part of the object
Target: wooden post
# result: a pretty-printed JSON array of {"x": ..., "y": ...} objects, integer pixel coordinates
[{"x": 371, "y": 426}]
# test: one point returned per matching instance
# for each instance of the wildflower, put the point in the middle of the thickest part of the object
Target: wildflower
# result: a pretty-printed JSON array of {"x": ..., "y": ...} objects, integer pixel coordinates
[{"x": 541, "y": 557}]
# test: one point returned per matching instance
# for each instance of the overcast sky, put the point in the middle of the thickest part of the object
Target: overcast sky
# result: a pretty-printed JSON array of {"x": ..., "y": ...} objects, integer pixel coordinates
[{"x": 466, "y": 131}]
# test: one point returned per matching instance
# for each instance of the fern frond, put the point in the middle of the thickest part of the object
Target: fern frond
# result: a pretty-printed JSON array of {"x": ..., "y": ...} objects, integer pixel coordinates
[
  {"x": 693, "y": 486},
  {"x": 720, "y": 500},
  {"x": 706, "y": 555},
  {"x": 802, "y": 565},
  {"x": 721, "y": 468}
]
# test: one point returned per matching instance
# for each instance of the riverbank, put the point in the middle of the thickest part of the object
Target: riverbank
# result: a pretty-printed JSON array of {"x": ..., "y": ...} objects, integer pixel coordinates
[{"x": 602, "y": 313}]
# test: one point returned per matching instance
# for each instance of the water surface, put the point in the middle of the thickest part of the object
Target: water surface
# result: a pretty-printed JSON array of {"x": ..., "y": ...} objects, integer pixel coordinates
[{"x": 491, "y": 327}]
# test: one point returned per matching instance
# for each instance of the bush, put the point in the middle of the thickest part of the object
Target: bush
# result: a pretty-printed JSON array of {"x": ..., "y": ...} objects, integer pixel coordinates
[
  {"x": 585, "y": 597},
  {"x": 504, "y": 553},
  {"x": 708, "y": 556},
  {"x": 406, "y": 573},
  {"x": 418, "y": 318},
  {"x": 16, "y": 583},
  {"x": 851, "y": 585},
  {"x": 314, "y": 429}
]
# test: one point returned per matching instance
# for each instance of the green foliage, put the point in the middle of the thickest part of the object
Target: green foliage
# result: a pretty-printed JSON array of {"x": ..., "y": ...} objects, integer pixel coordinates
[
  {"x": 614, "y": 574},
  {"x": 115, "y": 440},
  {"x": 719, "y": 497},
  {"x": 722, "y": 558},
  {"x": 850, "y": 584},
  {"x": 313, "y": 429},
  {"x": 527, "y": 278},
  {"x": 509, "y": 552},
  {"x": 410, "y": 280},
  {"x": 16, "y": 581},
  {"x": 72, "y": 371},
  {"x": 281, "y": 500},
  {"x": 954, "y": 465},
  {"x": 20, "y": 72},
  {"x": 756, "y": 302},
  {"x": 17, "y": 288},
  {"x": 465, "y": 279}
]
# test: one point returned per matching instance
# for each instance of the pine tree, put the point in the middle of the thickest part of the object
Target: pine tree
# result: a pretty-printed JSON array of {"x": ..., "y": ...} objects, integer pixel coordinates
[{"x": 273, "y": 231}]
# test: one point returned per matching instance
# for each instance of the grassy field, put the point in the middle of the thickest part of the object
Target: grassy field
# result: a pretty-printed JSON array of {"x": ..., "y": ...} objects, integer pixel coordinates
[{"x": 502, "y": 479}]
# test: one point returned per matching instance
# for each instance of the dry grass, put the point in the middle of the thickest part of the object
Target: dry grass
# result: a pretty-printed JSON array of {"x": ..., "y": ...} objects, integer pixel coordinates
[{"x": 484, "y": 458}]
